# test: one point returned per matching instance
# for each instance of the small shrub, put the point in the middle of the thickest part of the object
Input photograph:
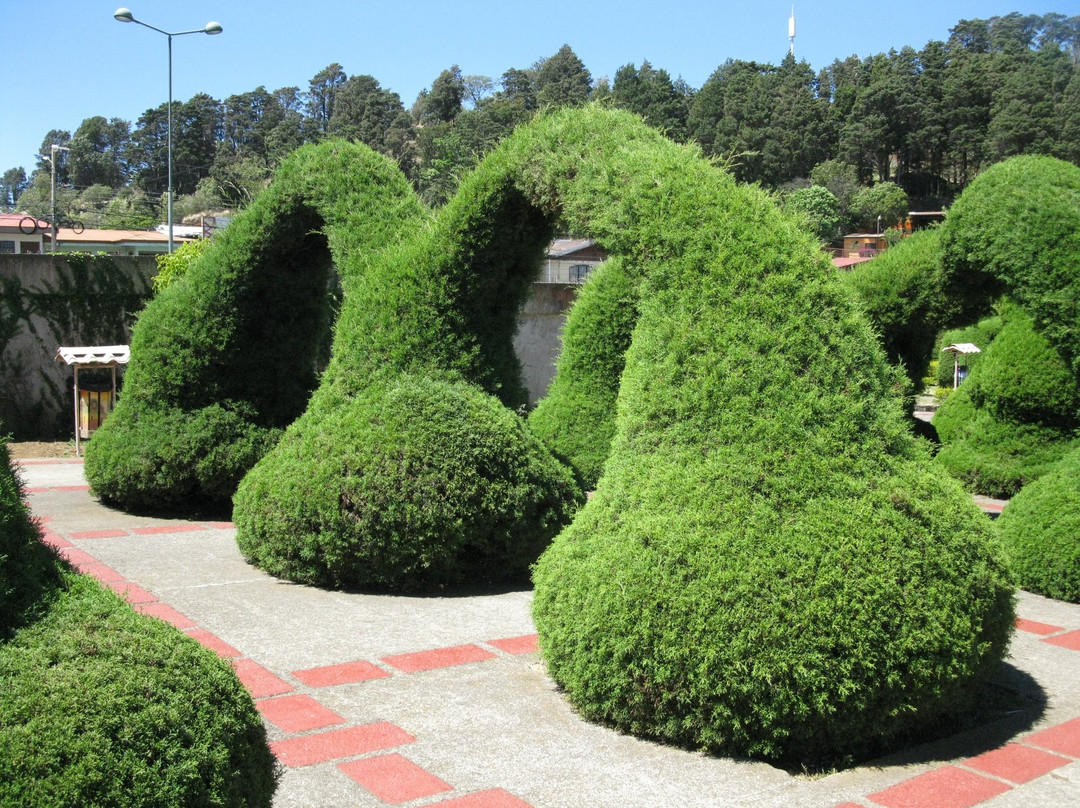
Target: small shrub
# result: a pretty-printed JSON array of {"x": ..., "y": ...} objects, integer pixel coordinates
[
  {"x": 1040, "y": 530},
  {"x": 420, "y": 484},
  {"x": 103, "y": 706}
]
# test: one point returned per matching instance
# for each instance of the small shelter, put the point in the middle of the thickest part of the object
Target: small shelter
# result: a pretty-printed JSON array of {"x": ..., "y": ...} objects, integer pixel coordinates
[
  {"x": 91, "y": 406},
  {"x": 957, "y": 350}
]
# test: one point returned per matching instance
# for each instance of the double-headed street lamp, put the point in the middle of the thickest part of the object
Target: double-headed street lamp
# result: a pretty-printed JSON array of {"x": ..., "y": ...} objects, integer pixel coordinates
[{"x": 125, "y": 15}]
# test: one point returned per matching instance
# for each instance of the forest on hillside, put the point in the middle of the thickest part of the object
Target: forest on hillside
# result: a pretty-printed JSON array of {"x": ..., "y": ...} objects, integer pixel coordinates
[{"x": 864, "y": 137}]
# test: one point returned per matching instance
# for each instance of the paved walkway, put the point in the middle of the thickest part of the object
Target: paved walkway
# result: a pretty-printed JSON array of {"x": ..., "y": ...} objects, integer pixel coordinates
[{"x": 381, "y": 700}]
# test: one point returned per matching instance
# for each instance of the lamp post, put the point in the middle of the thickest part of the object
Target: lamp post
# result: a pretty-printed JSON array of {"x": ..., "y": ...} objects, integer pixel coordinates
[{"x": 125, "y": 15}]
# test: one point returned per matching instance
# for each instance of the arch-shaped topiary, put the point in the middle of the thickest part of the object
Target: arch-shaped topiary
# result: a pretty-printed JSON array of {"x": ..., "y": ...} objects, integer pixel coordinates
[
  {"x": 227, "y": 357},
  {"x": 770, "y": 565}
]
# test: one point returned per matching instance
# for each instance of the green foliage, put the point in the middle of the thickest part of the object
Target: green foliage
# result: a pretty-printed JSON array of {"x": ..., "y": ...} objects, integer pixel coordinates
[
  {"x": 102, "y": 706},
  {"x": 28, "y": 567},
  {"x": 1013, "y": 418},
  {"x": 1040, "y": 531},
  {"x": 576, "y": 419},
  {"x": 821, "y": 210},
  {"x": 769, "y": 565},
  {"x": 172, "y": 267},
  {"x": 419, "y": 484},
  {"x": 981, "y": 335},
  {"x": 901, "y": 305},
  {"x": 229, "y": 356},
  {"x": 885, "y": 199},
  {"x": 1017, "y": 227}
]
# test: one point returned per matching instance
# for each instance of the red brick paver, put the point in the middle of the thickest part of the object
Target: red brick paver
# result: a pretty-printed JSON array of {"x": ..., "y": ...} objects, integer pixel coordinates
[
  {"x": 1064, "y": 738},
  {"x": 345, "y": 673},
  {"x": 1017, "y": 763},
  {"x": 297, "y": 713},
  {"x": 102, "y": 572},
  {"x": 1070, "y": 640},
  {"x": 98, "y": 534},
  {"x": 214, "y": 643},
  {"x": 393, "y": 778},
  {"x": 159, "y": 529},
  {"x": 527, "y": 644},
  {"x": 165, "y": 612},
  {"x": 947, "y": 787},
  {"x": 258, "y": 680},
  {"x": 438, "y": 658},
  {"x": 1035, "y": 627},
  {"x": 130, "y": 592},
  {"x": 339, "y": 743}
]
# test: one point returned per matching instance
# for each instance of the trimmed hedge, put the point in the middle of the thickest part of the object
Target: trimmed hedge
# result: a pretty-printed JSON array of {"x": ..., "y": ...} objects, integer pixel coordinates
[
  {"x": 1040, "y": 530},
  {"x": 226, "y": 357},
  {"x": 419, "y": 484},
  {"x": 1014, "y": 417},
  {"x": 101, "y": 706},
  {"x": 770, "y": 566},
  {"x": 576, "y": 419}
]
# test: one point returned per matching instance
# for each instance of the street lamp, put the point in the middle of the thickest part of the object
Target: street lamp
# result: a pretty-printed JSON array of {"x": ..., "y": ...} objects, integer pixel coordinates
[{"x": 125, "y": 15}]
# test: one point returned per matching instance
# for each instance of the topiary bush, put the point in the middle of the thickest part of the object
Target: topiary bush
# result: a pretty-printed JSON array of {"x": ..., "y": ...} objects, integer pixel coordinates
[
  {"x": 418, "y": 484},
  {"x": 102, "y": 706},
  {"x": 1040, "y": 530},
  {"x": 576, "y": 419},
  {"x": 227, "y": 356},
  {"x": 1014, "y": 417},
  {"x": 770, "y": 566}
]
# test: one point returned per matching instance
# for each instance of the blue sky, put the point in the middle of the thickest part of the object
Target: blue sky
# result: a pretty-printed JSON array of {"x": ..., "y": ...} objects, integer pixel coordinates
[{"x": 69, "y": 60}]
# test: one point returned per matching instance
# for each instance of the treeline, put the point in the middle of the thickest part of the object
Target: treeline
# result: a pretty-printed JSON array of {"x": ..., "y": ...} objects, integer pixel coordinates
[{"x": 925, "y": 121}]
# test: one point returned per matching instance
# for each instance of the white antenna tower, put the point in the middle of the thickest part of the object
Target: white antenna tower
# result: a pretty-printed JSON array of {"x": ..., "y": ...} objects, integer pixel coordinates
[{"x": 791, "y": 30}]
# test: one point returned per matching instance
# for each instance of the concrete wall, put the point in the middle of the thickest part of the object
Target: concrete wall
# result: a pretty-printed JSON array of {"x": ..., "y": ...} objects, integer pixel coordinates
[
  {"x": 47, "y": 301},
  {"x": 539, "y": 337}
]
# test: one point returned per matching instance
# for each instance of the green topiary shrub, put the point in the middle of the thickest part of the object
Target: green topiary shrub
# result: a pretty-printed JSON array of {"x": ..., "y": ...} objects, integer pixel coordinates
[
  {"x": 1014, "y": 417},
  {"x": 419, "y": 484},
  {"x": 28, "y": 568},
  {"x": 770, "y": 566},
  {"x": 1040, "y": 530},
  {"x": 900, "y": 303},
  {"x": 576, "y": 419},
  {"x": 102, "y": 706},
  {"x": 227, "y": 356}
]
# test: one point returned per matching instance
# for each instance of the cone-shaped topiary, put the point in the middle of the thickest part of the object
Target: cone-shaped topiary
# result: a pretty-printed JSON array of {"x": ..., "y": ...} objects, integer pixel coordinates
[
  {"x": 769, "y": 566},
  {"x": 1040, "y": 530},
  {"x": 103, "y": 706},
  {"x": 576, "y": 418},
  {"x": 225, "y": 358}
]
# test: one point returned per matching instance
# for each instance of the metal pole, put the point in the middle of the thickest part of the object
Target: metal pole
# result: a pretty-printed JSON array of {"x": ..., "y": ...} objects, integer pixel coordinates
[
  {"x": 169, "y": 137},
  {"x": 52, "y": 198}
]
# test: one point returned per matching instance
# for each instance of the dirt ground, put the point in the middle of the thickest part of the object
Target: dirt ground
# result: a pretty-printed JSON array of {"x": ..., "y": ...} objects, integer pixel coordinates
[{"x": 23, "y": 450}]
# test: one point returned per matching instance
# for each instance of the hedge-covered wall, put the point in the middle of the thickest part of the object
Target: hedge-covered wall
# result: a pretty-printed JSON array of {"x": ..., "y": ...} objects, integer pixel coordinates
[{"x": 47, "y": 301}]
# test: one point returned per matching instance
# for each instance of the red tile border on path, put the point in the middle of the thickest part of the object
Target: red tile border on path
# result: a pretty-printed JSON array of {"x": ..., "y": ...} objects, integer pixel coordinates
[
  {"x": 75, "y": 556},
  {"x": 1064, "y": 738},
  {"x": 493, "y": 798},
  {"x": 102, "y": 572},
  {"x": 1016, "y": 763},
  {"x": 220, "y": 525},
  {"x": 159, "y": 529},
  {"x": 53, "y": 540},
  {"x": 1070, "y": 640},
  {"x": 343, "y": 674},
  {"x": 213, "y": 642},
  {"x": 130, "y": 592},
  {"x": 70, "y": 488},
  {"x": 98, "y": 534},
  {"x": 339, "y": 743},
  {"x": 527, "y": 644},
  {"x": 297, "y": 713},
  {"x": 260, "y": 682},
  {"x": 1035, "y": 627},
  {"x": 947, "y": 787},
  {"x": 438, "y": 658},
  {"x": 393, "y": 778},
  {"x": 165, "y": 612}
]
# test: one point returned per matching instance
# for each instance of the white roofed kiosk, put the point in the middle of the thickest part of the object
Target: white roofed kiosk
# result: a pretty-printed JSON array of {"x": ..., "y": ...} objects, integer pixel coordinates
[
  {"x": 92, "y": 406},
  {"x": 957, "y": 350}
]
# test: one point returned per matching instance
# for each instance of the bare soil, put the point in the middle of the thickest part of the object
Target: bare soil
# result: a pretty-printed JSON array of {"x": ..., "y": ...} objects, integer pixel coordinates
[{"x": 27, "y": 449}]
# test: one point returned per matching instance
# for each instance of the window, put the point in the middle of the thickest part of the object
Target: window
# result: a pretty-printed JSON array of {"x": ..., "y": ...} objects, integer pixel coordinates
[
  {"x": 579, "y": 272},
  {"x": 7, "y": 247}
]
